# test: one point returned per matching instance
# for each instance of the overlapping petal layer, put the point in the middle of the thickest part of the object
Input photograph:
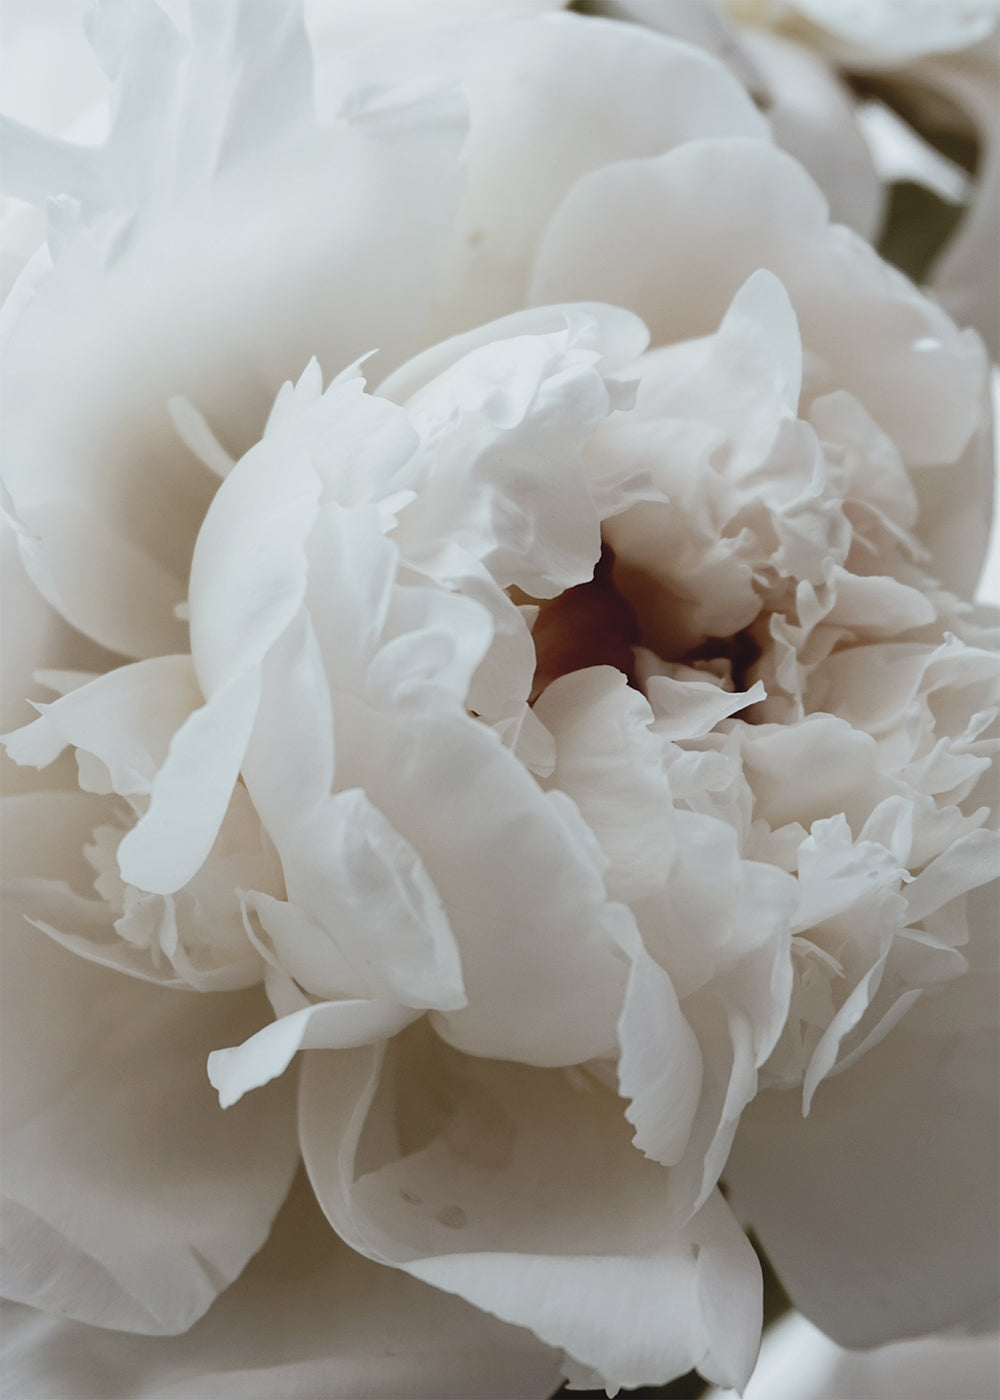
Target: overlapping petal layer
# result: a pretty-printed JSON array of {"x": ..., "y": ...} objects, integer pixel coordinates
[{"x": 578, "y": 741}]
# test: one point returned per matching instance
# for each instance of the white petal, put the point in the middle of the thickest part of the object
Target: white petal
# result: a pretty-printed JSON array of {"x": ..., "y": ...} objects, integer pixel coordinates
[
  {"x": 352, "y": 577},
  {"x": 191, "y": 792},
  {"x": 613, "y": 768},
  {"x": 569, "y": 118},
  {"x": 690, "y": 709},
  {"x": 248, "y": 575},
  {"x": 196, "y": 433},
  {"x": 970, "y": 861},
  {"x": 162, "y": 1199},
  {"x": 538, "y": 939},
  {"x": 658, "y": 236},
  {"x": 618, "y": 334},
  {"x": 798, "y": 1363},
  {"x": 521, "y": 1192},
  {"x": 125, "y": 718},
  {"x": 307, "y": 1317},
  {"x": 288, "y": 766},
  {"x": 814, "y": 769},
  {"x": 756, "y": 353},
  {"x": 432, "y": 645},
  {"x": 328, "y": 1025},
  {"x": 812, "y": 115},
  {"x": 200, "y": 305},
  {"x": 34, "y": 637},
  {"x": 965, "y": 277},
  {"x": 875, "y": 29},
  {"x": 77, "y": 558},
  {"x": 362, "y": 447},
  {"x": 506, "y": 425},
  {"x": 660, "y": 1069},
  {"x": 368, "y": 889},
  {"x": 878, "y": 1227}
]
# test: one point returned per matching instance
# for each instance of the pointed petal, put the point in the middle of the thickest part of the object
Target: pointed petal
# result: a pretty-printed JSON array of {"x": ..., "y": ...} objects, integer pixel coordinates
[
  {"x": 328, "y": 1025},
  {"x": 191, "y": 792}
]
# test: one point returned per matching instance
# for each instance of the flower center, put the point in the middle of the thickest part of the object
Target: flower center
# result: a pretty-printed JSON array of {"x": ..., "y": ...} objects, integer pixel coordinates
[
  {"x": 592, "y": 624},
  {"x": 597, "y": 624}
]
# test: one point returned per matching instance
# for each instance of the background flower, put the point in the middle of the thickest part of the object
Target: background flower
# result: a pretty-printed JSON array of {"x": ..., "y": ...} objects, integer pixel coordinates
[{"x": 891, "y": 106}]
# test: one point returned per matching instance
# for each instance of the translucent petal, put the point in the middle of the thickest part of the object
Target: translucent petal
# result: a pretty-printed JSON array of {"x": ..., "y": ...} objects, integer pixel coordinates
[{"x": 521, "y": 1192}]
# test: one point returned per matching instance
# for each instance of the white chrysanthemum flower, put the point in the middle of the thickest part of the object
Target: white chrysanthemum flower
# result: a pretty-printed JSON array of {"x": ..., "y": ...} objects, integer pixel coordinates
[{"x": 573, "y": 738}]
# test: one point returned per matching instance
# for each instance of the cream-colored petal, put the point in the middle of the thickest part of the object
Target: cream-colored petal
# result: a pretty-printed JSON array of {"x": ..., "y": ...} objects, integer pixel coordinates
[
  {"x": 133, "y": 1201},
  {"x": 672, "y": 252},
  {"x": 879, "y": 1210},
  {"x": 308, "y": 1317},
  {"x": 519, "y": 1190}
]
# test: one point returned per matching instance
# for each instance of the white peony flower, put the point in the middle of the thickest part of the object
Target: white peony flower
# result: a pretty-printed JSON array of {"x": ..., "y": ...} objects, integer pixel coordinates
[{"x": 516, "y": 656}]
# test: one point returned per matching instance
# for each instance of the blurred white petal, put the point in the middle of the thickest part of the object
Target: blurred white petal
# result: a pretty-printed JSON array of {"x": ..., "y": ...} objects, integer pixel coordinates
[{"x": 797, "y": 1362}]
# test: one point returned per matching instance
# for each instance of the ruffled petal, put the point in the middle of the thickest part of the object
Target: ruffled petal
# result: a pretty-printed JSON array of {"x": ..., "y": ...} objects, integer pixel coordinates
[
  {"x": 668, "y": 251},
  {"x": 506, "y": 424},
  {"x": 125, "y": 718},
  {"x": 169, "y": 843},
  {"x": 618, "y": 335}
]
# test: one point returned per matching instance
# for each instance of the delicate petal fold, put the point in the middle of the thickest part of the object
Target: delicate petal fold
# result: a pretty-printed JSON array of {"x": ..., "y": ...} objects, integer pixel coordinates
[
  {"x": 520, "y": 1191},
  {"x": 331, "y": 1025},
  {"x": 159, "y": 1200},
  {"x": 125, "y": 719},
  {"x": 519, "y": 921}
]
